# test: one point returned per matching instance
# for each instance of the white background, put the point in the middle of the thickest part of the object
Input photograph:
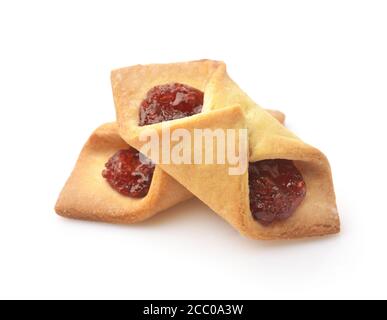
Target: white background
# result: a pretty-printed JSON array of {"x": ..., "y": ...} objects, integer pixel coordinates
[{"x": 324, "y": 63}]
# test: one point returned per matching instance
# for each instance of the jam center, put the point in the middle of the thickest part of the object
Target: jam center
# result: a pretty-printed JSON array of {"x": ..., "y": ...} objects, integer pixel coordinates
[
  {"x": 277, "y": 188},
  {"x": 127, "y": 174},
  {"x": 170, "y": 102}
]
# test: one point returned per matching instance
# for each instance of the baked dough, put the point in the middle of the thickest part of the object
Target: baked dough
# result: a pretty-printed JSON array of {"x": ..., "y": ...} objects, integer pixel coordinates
[
  {"x": 226, "y": 106},
  {"x": 88, "y": 196}
]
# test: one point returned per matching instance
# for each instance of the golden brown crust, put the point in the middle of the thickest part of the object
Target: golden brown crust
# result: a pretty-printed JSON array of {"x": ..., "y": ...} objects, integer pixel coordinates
[
  {"x": 88, "y": 196},
  {"x": 227, "y": 106}
]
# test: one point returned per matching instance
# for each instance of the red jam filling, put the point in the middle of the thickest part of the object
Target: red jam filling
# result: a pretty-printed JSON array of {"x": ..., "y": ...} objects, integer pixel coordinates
[
  {"x": 124, "y": 171},
  {"x": 128, "y": 175},
  {"x": 170, "y": 102},
  {"x": 277, "y": 188}
]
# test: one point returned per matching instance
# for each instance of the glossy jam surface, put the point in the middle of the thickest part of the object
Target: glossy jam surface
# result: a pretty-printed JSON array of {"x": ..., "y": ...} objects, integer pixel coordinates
[
  {"x": 169, "y": 102},
  {"x": 277, "y": 188},
  {"x": 126, "y": 174}
]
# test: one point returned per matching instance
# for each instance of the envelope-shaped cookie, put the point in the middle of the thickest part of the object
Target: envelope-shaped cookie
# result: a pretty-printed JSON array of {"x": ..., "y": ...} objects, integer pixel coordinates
[
  {"x": 308, "y": 194},
  {"x": 87, "y": 195}
]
